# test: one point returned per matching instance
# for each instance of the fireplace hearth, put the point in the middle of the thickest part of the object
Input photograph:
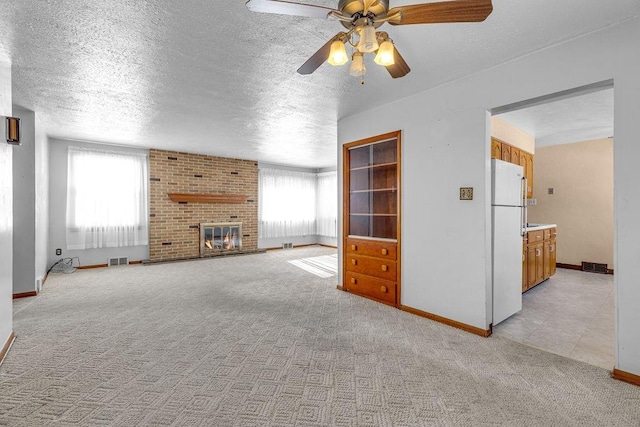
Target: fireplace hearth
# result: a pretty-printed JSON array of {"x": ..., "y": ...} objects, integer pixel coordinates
[{"x": 220, "y": 237}]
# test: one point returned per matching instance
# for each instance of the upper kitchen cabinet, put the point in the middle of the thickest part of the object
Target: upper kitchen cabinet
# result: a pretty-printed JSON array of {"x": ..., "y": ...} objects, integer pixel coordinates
[
  {"x": 515, "y": 156},
  {"x": 528, "y": 173},
  {"x": 496, "y": 149},
  {"x": 508, "y": 153}
]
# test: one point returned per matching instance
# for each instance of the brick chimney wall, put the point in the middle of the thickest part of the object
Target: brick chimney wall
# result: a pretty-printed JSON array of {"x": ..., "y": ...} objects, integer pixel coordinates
[{"x": 174, "y": 227}]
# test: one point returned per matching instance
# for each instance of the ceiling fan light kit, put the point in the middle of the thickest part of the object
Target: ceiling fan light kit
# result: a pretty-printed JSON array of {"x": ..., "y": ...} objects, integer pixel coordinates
[
  {"x": 357, "y": 68},
  {"x": 363, "y": 17},
  {"x": 368, "y": 40},
  {"x": 338, "y": 54},
  {"x": 385, "y": 55}
]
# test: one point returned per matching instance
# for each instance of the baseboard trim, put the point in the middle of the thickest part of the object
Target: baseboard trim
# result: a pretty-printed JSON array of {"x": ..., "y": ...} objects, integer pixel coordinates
[
  {"x": 25, "y": 294},
  {"x": 339, "y": 287},
  {"x": 627, "y": 377},
  {"x": 576, "y": 267},
  {"x": 327, "y": 246},
  {"x": 277, "y": 248},
  {"x": 7, "y": 347},
  {"x": 449, "y": 322},
  {"x": 88, "y": 267}
]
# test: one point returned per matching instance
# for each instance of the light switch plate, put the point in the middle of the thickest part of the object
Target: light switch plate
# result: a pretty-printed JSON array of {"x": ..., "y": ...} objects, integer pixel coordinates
[{"x": 466, "y": 193}]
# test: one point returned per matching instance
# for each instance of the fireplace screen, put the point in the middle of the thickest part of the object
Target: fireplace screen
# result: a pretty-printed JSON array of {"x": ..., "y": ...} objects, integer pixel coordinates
[{"x": 220, "y": 237}]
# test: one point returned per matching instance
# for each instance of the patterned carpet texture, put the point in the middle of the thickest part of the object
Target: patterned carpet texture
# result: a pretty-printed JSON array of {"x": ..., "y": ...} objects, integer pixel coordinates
[{"x": 257, "y": 341}]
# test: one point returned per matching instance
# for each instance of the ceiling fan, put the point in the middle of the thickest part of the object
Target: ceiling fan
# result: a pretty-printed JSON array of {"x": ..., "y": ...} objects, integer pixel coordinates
[{"x": 361, "y": 18}]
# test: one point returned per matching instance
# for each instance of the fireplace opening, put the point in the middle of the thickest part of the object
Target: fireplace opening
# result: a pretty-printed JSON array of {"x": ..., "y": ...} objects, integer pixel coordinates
[{"x": 220, "y": 237}]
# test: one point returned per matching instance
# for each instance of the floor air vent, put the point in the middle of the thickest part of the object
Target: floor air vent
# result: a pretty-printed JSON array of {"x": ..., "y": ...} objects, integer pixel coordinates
[
  {"x": 113, "y": 262},
  {"x": 594, "y": 267}
]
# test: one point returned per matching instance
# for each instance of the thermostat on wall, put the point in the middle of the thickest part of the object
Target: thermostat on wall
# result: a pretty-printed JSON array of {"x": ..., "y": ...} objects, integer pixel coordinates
[{"x": 466, "y": 193}]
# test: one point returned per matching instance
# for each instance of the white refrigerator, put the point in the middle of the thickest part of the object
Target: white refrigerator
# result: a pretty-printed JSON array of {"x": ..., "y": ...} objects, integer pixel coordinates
[{"x": 508, "y": 215}]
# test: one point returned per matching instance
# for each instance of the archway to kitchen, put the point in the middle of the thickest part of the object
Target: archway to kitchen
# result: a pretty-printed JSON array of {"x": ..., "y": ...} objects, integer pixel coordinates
[{"x": 564, "y": 143}]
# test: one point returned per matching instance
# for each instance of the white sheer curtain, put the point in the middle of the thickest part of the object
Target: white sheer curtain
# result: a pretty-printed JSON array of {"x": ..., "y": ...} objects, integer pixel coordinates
[
  {"x": 107, "y": 199},
  {"x": 327, "y": 204},
  {"x": 287, "y": 203}
]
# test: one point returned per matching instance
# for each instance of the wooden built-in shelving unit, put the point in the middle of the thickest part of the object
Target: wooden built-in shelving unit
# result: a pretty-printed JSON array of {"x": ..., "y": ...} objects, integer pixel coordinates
[{"x": 371, "y": 218}]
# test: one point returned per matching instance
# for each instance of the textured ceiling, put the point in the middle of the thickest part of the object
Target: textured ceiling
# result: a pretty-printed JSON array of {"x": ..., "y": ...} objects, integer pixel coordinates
[
  {"x": 211, "y": 77},
  {"x": 575, "y": 119}
]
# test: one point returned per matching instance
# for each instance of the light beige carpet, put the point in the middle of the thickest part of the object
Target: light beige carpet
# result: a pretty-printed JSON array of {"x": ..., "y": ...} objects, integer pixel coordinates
[{"x": 256, "y": 341}]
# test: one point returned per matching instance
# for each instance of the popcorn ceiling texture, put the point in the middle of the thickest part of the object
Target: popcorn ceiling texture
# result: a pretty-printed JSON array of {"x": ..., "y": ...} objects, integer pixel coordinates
[{"x": 174, "y": 227}]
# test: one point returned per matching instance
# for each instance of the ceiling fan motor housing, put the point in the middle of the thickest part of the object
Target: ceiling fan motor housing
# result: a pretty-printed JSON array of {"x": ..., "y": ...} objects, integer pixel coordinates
[{"x": 350, "y": 7}]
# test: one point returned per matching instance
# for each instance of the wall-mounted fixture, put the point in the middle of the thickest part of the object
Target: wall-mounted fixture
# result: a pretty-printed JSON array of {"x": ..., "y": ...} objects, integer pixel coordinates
[
  {"x": 13, "y": 130},
  {"x": 466, "y": 193}
]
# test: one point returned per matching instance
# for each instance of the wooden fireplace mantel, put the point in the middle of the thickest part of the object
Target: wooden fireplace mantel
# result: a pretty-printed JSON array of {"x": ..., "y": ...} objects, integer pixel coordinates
[{"x": 207, "y": 198}]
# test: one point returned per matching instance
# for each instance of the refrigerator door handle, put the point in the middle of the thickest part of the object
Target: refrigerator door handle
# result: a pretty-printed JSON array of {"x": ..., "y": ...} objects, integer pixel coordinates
[{"x": 524, "y": 213}]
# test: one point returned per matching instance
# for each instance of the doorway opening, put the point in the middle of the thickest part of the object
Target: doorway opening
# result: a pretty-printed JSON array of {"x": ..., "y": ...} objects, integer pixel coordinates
[{"x": 569, "y": 135}]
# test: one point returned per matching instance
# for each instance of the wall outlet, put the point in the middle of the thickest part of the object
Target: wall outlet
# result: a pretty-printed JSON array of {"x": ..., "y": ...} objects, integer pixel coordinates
[
  {"x": 466, "y": 193},
  {"x": 533, "y": 202},
  {"x": 58, "y": 251}
]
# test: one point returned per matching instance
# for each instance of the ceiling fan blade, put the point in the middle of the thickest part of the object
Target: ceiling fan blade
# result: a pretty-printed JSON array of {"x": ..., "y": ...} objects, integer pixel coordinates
[
  {"x": 289, "y": 8},
  {"x": 446, "y": 11},
  {"x": 400, "y": 68},
  {"x": 318, "y": 58}
]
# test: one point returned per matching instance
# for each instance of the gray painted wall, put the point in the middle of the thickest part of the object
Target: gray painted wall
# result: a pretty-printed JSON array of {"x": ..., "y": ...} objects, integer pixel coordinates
[
  {"x": 42, "y": 199},
  {"x": 24, "y": 204},
  {"x": 58, "y": 208},
  {"x": 6, "y": 208}
]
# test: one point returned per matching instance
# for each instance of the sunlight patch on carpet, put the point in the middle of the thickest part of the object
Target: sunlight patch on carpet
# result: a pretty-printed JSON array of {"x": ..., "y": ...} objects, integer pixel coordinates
[{"x": 323, "y": 266}]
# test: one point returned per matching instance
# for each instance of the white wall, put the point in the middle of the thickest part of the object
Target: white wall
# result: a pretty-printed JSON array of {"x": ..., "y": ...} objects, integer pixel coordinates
[
  {"x": 6, "y": 208},
  {"x": 42, "y": 200},
  {"x": 58, "y": 208},
  {"x": 446, "y": 252},
  {"x": 24, "y": 204}
]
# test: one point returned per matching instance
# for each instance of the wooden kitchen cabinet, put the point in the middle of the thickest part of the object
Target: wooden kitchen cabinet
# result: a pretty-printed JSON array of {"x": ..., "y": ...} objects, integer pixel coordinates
[
  {"x": 539, "y": 257},
  {"x": 528, "y": 173},
  {"x": 496, "y": 149},
  {"x": 506, "y": 152},
  {"x": 515, "y": 156},
  {"x": 371, "y": 220},
  {"x": 525, "y": 284}
]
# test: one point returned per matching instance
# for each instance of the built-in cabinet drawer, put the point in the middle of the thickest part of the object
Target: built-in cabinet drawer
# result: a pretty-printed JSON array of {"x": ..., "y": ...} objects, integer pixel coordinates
[
  {"x": 535, "y": 236},
  {"x": 378, "y": 249},
  {"x": 382, "y": 268},
  {"x": 372, "y": 287}
]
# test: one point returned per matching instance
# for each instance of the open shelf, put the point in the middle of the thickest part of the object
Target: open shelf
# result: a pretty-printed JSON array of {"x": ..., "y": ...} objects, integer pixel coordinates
[
  {"x": 372, "y": 190},
  {"x": 381, "y": 165}
]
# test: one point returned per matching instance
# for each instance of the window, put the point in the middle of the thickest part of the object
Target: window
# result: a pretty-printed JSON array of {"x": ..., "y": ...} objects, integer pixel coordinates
[
  {"x": 107, "y": 199},
  {"x": 288, "y": 203},
  {"x": 297, "y": 203},
  {"x": 327, "y": 204}
]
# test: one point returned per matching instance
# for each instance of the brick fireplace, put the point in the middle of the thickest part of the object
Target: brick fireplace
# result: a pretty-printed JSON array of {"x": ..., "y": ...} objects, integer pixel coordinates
[{"x": 188, "y": 191}]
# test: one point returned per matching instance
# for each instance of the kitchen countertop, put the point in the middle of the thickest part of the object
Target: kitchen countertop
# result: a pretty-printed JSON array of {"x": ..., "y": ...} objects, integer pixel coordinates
[{"x": 536, "y": 227}]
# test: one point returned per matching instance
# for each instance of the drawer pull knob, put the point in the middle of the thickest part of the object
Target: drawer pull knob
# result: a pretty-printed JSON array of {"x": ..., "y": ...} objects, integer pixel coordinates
[
  {"x": 385, "y": 268},
  {"x": 385, "y": 252},
  {"x": 353, "y": 280},
  {"x": 383, "y": 289},
  {"x": 354, "y": 262},
  {"x": 354, "y": 248}
]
